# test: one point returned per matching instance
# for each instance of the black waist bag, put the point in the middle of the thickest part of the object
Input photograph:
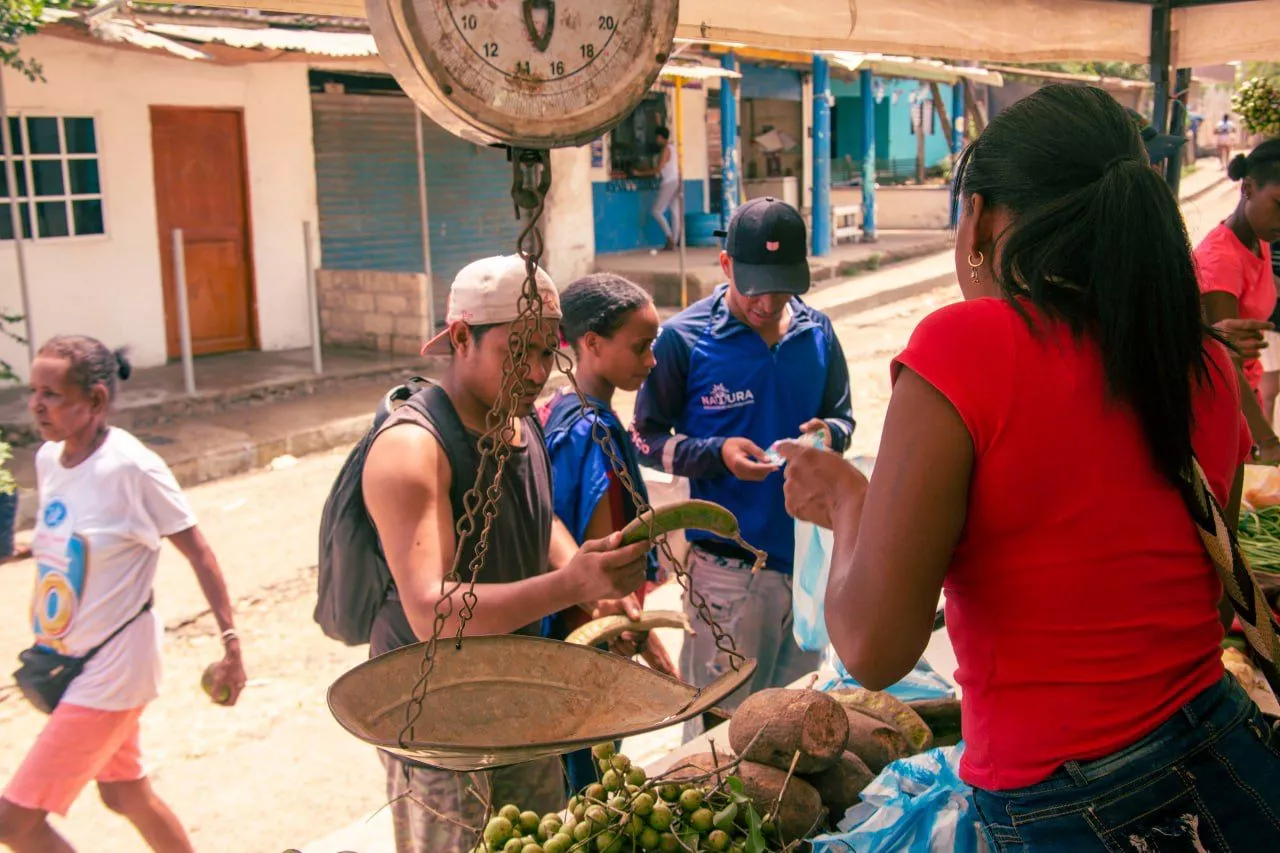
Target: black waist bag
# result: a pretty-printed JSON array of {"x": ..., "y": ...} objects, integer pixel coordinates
[{"x": 45, "y": 675}]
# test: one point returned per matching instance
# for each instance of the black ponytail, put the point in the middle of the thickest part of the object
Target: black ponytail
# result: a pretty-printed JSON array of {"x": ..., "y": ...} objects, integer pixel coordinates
[
  {"x": 1098, "y": 242},
  {"x": 1262, "y": 164}
]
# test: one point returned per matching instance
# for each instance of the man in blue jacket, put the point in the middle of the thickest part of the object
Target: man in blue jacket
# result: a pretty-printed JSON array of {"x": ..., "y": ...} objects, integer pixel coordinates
[{"x": 746, "y": 366}]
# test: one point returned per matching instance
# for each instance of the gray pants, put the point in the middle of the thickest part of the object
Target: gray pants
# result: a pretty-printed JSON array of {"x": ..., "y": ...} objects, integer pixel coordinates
[
  {"x": 754, "y": 609},
  {"x": 669, "y": 197},
  {"x": 537, "y": 786}
]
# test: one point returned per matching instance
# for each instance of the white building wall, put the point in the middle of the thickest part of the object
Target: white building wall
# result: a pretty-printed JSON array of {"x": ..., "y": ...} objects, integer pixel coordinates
[
  {"x": 110, "y": 286},
  {"x": 568, "y": 224}
]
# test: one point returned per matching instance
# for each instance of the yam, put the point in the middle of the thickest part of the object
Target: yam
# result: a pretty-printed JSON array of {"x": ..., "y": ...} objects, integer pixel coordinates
[
  {"x": 942, "y": 716},
  {"x": 841, "y": 783},
  {"x": 874, "y": 742},
  {"x": 778, "y": 723},
  {"x": 801, "y": 808},
  {"x": 887, "y": 709}
]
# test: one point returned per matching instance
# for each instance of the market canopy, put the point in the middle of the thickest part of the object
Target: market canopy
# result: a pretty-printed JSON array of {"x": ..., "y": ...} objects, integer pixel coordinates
[{"x": 1204, "y": 32}]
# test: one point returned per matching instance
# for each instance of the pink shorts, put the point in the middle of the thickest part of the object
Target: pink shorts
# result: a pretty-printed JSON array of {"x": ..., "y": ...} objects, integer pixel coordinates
[{"x": 78, "y": 745}]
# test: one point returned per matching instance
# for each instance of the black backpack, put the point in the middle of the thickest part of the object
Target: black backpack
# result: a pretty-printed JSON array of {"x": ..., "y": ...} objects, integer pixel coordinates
[{"x": 354, "y": 579}]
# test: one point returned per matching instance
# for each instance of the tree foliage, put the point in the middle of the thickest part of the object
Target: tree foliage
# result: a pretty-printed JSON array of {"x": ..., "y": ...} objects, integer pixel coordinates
[{"x": 19, "y": 18}]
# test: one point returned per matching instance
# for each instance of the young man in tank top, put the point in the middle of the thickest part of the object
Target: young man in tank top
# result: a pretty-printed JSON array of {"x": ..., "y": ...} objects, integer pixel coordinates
[{"x": 534, "y": 569}]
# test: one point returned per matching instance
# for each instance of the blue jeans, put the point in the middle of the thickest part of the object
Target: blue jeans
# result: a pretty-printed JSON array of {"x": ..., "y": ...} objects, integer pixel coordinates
[{"x": 1208, "y": 779}]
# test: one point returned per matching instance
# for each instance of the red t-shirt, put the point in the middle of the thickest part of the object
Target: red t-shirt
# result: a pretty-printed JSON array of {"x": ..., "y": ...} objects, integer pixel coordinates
[
  {"x": 1080, "y": 601},
  {"x": 1226, "y": 265}
]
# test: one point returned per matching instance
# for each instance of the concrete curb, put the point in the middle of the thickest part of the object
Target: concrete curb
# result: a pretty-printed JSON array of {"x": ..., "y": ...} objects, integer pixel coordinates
[
  {"x": 1203, "y": 191},
  {"x": 885, "y": 297}
]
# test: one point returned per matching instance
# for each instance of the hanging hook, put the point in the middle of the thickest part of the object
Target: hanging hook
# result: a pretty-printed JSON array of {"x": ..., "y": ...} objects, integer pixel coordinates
[{"x": 532, "y": 177}]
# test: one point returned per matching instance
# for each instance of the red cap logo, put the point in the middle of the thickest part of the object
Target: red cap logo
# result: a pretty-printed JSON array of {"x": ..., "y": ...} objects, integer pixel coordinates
[{"x": 773, "y": 245}]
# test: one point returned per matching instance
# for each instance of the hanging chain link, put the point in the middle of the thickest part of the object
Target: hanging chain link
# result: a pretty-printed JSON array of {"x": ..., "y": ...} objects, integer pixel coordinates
[{"x": 529, "y": 191}]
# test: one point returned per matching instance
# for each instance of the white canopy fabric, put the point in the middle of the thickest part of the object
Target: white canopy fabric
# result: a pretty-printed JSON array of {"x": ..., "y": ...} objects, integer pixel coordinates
[{"x": 978, "y": 30}]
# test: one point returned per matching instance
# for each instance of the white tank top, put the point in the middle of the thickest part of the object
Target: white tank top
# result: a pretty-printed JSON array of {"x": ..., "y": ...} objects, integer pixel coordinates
[{"x": 671, "y": 172}]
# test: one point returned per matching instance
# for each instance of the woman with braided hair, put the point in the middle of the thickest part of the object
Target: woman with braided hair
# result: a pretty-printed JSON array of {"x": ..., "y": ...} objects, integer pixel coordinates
[
  {"x": 610, "y": 323},
  {"x": 106, "y": 504}
]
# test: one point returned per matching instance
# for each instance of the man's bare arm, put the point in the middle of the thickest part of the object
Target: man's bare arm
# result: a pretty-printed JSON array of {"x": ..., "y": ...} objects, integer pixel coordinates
[{"x": 406, "y": 489}]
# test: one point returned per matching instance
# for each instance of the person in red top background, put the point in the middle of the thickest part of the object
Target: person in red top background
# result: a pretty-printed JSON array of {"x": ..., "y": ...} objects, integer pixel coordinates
[
  {"x": 1236, "y": 280},
  {"x": 1029, "y": 465}
]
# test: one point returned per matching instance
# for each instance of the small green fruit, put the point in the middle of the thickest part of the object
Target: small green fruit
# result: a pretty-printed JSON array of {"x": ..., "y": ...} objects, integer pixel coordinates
[
  {"x": 621, "y": 763},
  {"x": 668, "y": 843},
  {"x": 669, "y": 792},
  {"x": 603, "y": 751},
  {"x": 691, "y": 800},
  {"x": 595, "y": 791},
  {"x": 511, "y": 813},
  {"x": 660, "y": 818},
  {"x": 643, "y": 804},
  {"x": 611, "y": 780},
  {"x": 702, "y": 820},
  {"x": 650, "y": 839},
  {"x": 498, "y": 831},
  {"x": 636, "y": 776},
  {"x": 206, "y": 683},
  {"x": 529, "y": 822},
  {"x": 513, "y": 845},
  {"x": 718, "y": 840}
]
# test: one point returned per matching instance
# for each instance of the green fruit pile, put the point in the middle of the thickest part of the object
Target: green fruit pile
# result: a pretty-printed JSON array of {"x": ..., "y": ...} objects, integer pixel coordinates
[{"x": 625, "y": 812}]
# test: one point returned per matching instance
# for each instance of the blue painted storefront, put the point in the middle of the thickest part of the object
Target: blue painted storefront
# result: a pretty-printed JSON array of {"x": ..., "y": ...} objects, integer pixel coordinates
[
  {"x": 895, "y": 143},
  {"x": 621, "y": 211}
]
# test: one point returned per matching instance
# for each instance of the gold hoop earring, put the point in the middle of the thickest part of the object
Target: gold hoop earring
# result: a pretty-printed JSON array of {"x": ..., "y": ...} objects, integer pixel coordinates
[{"x": 974, "y": 265}]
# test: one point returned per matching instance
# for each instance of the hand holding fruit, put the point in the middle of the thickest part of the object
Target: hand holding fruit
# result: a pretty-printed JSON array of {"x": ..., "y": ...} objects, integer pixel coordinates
[
  {"x": 224, "y": 680},
  {"x": 604, "y": 569}
]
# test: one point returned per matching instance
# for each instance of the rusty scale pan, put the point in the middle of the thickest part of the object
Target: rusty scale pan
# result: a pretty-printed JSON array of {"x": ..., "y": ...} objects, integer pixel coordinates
[{"x": 506, "y": 699}]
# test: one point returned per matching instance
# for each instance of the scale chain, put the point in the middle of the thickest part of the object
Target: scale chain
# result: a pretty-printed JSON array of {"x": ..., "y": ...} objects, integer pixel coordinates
[{"x": 532, "y": 180}]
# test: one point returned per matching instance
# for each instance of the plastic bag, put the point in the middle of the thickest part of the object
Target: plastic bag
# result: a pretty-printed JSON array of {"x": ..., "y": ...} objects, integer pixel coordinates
[
  {"x": 809, "y": 585},
  {"x": 923, "y": 682},
  {"x": 810, "y": 567},
  {"x": 916, "y": 805}
]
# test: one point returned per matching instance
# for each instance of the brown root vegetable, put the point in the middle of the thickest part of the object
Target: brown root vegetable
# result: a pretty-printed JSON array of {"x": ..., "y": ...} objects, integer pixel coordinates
[
  {"x": 874, "y": 742},
  {"x": 942, "y": 716},
  {"x": 887, "y": 709},
  {"x": 801, "y": 808},
  {"x": 841, "y": 783},
  {"x": 778, "y": 723}
]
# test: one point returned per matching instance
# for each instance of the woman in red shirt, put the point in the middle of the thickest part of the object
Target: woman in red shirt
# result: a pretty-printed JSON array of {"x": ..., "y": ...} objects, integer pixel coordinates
[
  {"x": 1236, "y": 280},
  {"x": 1029, "y": 463}
]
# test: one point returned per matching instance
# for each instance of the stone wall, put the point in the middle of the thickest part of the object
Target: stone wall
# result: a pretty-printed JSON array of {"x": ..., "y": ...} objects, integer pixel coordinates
[{"x": 383, "y": 311}]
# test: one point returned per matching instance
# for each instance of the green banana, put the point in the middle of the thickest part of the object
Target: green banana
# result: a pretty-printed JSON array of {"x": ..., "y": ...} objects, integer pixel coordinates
[
  {"x": 690, "y": 515},
  {"x": 609, "y": 628}
]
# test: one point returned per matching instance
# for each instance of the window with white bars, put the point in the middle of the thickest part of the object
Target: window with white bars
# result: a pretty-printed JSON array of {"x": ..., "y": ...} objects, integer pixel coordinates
[{"x": 57, "y": 177}]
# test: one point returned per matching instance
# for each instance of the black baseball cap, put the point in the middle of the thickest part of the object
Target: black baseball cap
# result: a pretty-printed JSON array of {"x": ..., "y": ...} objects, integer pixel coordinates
[
  {"x": 1160, "y": 146},
  {"x": 769, "y": 245}
]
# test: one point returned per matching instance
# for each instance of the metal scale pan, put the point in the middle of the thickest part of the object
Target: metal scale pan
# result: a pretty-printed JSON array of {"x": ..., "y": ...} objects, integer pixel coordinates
[{"x": 505, "y": 699}]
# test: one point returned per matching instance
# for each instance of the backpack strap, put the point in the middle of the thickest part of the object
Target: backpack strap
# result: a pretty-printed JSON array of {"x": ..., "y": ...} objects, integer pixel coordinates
[{"x": 431, "y": 401}]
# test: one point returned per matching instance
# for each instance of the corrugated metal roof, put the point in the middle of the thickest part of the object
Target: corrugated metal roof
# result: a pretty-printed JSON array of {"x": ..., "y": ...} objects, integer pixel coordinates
[{"x": 274, "y": 38}]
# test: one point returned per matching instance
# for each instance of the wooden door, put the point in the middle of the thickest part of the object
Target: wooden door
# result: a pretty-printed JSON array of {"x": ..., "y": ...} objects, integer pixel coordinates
[{"x": 201, "y": 187}]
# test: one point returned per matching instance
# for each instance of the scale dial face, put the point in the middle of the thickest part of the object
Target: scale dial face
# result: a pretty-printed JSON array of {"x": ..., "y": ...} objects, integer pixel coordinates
[{"x": 530, "y": 73}]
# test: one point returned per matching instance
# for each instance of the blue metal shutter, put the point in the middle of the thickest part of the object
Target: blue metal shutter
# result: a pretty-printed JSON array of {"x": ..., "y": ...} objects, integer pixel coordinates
[
  {"x": 367, "y": 182},
  {"x": 468, "y": 203}
]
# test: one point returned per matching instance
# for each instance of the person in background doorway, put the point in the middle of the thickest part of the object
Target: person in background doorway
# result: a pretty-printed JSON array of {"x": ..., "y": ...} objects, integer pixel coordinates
[
  {"x": 1032, "y": 466},
  {"x": 611, "y": 325},
  {"x": 106, "y": 504},
  {"x": 1224, "y": 134},
  {"x": 667, "y": 170},
  {"x": 1237, "y": 283},
  {"x": 746, "y": 366}
]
